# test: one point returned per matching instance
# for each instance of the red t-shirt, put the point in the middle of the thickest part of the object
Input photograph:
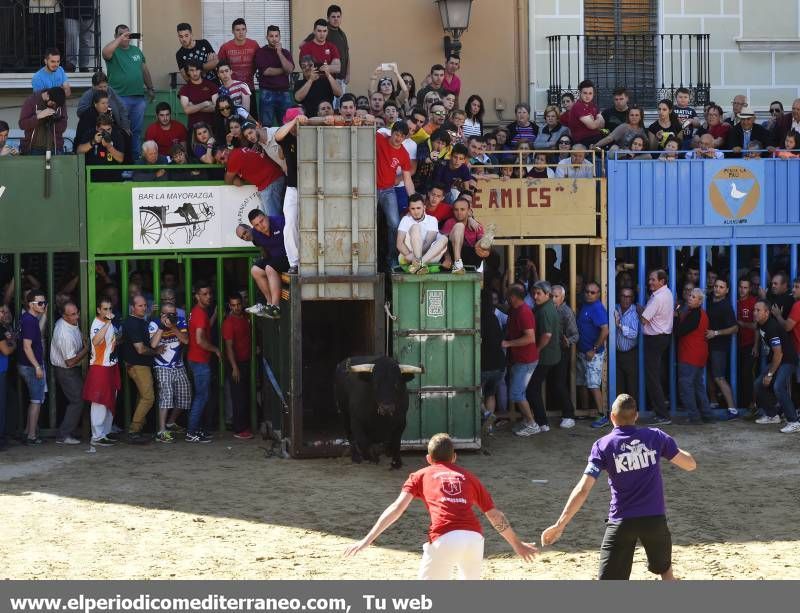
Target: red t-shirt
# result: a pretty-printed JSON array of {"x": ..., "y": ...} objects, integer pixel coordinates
[
  {"x": 242, "y": 59},
  {"x": 166, "y": 138},
  {"x": 519, "y": 320},
  {"x": 442, "y": 212},
  {"x": 388, "y": 160},
  {"x": 198, "y": 319},
  {"x": 197, "y": 93},
  {"x": 794, "y": 315},
  {"x": 326, "y": 52},
  {"x": 254, "y": 167},
  {"x": 744, "y": 312},
  {"x": 577, "y": 129},
  {"x": 453, "y": 86},
  {"x": 693, "y": 347},
  {"x": 237, "y": 329},
  {"x": 449, "y": 492},
  {"x": 471, "y": 237}
]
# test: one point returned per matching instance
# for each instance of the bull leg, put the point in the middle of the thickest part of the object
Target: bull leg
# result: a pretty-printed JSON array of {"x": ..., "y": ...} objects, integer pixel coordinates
[
  {"x": 393, "y": 445},
  {"x": 360, "y": 442}
]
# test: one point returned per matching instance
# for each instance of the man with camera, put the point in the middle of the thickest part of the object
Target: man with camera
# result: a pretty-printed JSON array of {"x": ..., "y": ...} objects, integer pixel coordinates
[
  {"x": 105, "y": 146},
  {"x": 316, "y": 85},
  {"x": 43, "y": 116},
  {"x": 174, "y": 390}
]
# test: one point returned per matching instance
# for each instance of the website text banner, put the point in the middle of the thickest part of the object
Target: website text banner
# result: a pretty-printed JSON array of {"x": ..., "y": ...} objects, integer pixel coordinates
[
  {"x": 397, "y": 596},
  {"x": 538, "y": 207},
  {"x": 200, "y": 217}
]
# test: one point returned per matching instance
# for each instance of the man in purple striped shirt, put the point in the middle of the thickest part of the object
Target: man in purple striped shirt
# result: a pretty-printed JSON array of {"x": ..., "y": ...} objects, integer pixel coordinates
[{"x": 657, "y": 319}]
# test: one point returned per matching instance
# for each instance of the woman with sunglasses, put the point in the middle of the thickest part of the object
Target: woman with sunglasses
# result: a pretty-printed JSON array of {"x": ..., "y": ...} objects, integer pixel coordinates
[
  {"x": 386, "y": 84},
  {"x": 775, "y": 113},
  {"x": 407, "y": 105},
  {"x": 564, "y": 146},
  {"x": 552, "y": 130},
  {"x": 224, "y": 109}
]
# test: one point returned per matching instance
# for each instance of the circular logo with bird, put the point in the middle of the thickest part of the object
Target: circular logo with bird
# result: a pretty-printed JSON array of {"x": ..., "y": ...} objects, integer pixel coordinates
[{"x": 734, "y": 192}]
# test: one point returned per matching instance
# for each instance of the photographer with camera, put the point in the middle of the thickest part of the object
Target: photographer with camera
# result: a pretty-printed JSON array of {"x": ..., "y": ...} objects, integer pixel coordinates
[
  {"x": 174, "y": 390},
  {"x": 105, "y": 145}
]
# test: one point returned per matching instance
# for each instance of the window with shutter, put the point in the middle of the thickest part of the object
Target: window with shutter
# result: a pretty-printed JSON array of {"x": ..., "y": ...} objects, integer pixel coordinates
[{"x": 218, "y": 15}]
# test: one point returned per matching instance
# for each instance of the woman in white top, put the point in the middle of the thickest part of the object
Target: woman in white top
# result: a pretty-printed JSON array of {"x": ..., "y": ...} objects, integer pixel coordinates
[
  {"x": 473, "y": 126},
  {"x": 386, "y": 84},
  {"x": 103, "y": 379}
]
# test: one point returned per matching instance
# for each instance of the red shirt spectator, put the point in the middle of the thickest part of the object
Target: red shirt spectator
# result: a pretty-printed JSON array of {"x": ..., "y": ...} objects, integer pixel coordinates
[
  {"x": 267, "y": 57},
  {"x": 242, "y": 59},
  {"x": 254, "y": 167},
  {"x": 197, "y": 93},
  {"x": 198, "y": 319},
  {"x": 443, "y": 212},
  {"x": 165, "y": 139},
  {"x": 693, "y": 346},
  {"x": 449, "y": 492},
  {"x": 519, "y": 320},
  {"x": 744, "y": 312},
  {"x": 324, "y": 53},
  {"x": 577, "y": 129},
  {"x": 388, "y": 160},
  {"x": 237, "y": 329},
  {"x": 794, "y": 315}
]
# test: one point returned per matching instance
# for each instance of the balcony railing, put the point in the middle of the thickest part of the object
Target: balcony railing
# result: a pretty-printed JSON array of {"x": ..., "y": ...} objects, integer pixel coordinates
[
  {"x": 29, "y": 27},
  {"x": 649, "y": 66}
]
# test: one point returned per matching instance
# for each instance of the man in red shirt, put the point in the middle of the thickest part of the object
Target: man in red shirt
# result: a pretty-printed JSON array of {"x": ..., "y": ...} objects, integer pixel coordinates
[
  {"x": 585, "y": 119},
  {"x": 692, "y": 359},
  {"x": 451, "y": 82},
  {"x": 463, "y": 231},
  {"x": 240, "y": 53},
  {"x": 257, "y": 168},
  {"x": 236, "y": 334},
  {"x": 321, "y": 50},
  {"x": 165, "y": 131},
  {"x": 455, "y": 538},
  {"x": 523, "y": 354},
  {"x": 390, "y": 155},
  {"x": 746, "y": 340},
  {"x": 198, "y": 96},
  {"x": 435, "y": 204},
  {"x": 199, "y": 356}
]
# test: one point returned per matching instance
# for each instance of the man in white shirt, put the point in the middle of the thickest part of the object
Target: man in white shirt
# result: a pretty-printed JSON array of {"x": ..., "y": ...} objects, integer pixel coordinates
[
  {"x": 67, "y": 350},
  {"x": 418, "y": 240},
  {"x": 576, "y": 166}
]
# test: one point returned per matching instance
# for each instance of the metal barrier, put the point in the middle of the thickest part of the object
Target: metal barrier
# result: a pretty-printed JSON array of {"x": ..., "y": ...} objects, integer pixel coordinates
[{"x": 714, "y": 206}]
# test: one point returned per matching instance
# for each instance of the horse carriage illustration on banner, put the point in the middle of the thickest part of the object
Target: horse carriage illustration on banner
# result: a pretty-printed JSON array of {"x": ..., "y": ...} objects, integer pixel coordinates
[{"x": 158, "y": 221}]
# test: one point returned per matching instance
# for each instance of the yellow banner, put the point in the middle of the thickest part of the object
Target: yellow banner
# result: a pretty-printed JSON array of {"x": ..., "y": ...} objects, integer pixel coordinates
[{"x": 538, "y": 207}]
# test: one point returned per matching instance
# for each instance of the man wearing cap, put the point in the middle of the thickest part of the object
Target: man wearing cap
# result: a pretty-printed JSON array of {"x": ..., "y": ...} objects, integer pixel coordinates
[{"x": 740, "y": 135}]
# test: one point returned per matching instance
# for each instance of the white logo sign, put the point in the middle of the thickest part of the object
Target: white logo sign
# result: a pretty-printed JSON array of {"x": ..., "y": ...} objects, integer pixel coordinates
[
  {"x": 190, "y": 217},
  {"x": 637, "y": 456},
  {"x": 434, "y": 299}
]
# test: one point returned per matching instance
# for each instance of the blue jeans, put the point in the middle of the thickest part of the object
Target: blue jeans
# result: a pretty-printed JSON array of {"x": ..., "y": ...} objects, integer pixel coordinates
[
  {"x": 272, "y": 197},
  {"x": 387, "y": 201},
  {"x": 201, "y": 374},
  {"x": 136, "y": 106},
  {"x": 692, "y": 391},
  {"x": 272, "y": 106},
  {"x": 781, "y": 388},
  {"x": 521, "y": 374},
  {"x": 37, "y": 388}
]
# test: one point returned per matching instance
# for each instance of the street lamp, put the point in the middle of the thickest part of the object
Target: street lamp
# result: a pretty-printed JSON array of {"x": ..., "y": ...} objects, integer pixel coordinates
[{"x": 455, "y": 20}]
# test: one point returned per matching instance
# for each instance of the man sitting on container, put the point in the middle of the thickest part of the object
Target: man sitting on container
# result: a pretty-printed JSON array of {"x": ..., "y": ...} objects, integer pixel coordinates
[
  {"x": 266, "y": 233},
  {"x": 576, "y": 166},
  {"x": 464, "y": 232},
  {"x": 418, "y": 238}
]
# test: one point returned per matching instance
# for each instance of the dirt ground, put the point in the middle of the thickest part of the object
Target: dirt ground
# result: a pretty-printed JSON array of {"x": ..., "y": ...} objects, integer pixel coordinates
[{"x": 225, "y": 511}]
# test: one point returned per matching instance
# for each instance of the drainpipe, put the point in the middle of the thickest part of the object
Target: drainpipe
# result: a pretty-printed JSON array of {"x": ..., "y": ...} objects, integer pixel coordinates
[{"x": 522, "y": 35}]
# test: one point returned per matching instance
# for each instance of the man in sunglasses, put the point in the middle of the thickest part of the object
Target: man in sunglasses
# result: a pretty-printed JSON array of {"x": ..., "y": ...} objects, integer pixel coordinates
[
  {"x": 31, "y": 360},
  {"x": 592, "y": 323}
]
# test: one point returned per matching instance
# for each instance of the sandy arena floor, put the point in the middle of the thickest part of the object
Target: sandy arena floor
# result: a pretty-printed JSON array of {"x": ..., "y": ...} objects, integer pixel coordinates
[{"x": 224, "y": 511}]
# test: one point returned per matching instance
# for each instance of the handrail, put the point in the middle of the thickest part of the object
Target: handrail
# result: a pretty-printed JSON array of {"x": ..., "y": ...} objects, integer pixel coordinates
[{"x": 614, "y": 155}]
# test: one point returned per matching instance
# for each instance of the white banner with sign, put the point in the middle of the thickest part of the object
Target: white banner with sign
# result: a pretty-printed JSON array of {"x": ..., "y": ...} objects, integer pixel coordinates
[{"x": 203, "y": 217}]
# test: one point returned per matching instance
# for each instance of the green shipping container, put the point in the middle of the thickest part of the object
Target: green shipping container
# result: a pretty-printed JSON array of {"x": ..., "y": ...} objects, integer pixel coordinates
[{"x": 437, "y": 326}]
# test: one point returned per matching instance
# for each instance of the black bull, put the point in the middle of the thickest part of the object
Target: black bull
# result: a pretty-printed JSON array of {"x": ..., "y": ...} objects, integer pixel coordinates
[{"x": 373, "y": 401}]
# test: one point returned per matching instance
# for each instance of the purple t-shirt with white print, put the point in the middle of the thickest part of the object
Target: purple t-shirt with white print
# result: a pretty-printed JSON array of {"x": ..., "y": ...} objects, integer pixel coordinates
[{"x": 631, "y": 456}]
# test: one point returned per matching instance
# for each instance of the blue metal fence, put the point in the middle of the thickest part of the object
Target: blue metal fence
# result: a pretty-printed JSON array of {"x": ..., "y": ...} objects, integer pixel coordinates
[{"x": 671, "y": 205}]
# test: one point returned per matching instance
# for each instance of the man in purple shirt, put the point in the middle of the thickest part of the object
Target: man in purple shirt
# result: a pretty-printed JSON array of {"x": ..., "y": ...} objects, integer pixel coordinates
[
  {"x": 30, "y": 360},
  {"x": 274, "y": 65},
  {"x": 266, "y": 233},
  {"x": 630, "y": 455}
]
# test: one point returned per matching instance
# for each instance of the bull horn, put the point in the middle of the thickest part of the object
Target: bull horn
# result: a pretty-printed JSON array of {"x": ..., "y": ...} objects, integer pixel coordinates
[
  {"x": 409, "y": 369},
  {"x": 361, "y": 368}
]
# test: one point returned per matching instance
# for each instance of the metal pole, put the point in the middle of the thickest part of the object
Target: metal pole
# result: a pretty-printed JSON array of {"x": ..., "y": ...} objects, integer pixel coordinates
[
  {"x": 221, "y": 362},
  {"x": 573, "y": 300},
  {"x": 673, "y": 283},
  {"x": 734, "y": 290},
  {"x": 703, "y": 266},
  {"x": 611, "y": 265},
  {"x": 126, "y": 398},
  {"x": 52, "y": 409},
  {"x": 642, "y": 282}
]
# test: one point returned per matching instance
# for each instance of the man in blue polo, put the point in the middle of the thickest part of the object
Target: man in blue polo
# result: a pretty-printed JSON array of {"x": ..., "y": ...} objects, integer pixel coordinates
[{"x": 630, "y": 455}]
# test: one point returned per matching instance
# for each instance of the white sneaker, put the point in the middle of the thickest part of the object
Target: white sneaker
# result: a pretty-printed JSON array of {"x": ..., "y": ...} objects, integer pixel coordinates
[
  {"x": 529, "y": 430},
  {"x": 258, "y": 310},
  {"x": 544, "y": 428},
  {"x": 764, "y": 419},
  {"x": 791, "y": 427},
  {"x": 458, "y": 268},
  {"x": 567, "y": 423},
  {"x": 68, "y": 440}
]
